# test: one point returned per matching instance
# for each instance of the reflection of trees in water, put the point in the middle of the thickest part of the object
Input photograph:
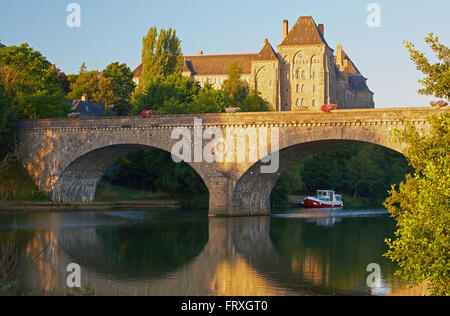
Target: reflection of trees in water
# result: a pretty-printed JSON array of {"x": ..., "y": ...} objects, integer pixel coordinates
[
  {"x": 153, "y": 249},
  {"x": 333, "y": 256}
]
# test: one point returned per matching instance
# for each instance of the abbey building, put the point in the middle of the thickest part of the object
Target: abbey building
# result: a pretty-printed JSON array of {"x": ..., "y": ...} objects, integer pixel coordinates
[{"x": 304, "y": 72}]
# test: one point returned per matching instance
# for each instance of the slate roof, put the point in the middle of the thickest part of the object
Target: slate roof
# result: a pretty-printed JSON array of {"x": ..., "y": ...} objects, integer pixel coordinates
[
  {"x": 305, "y": 31},
  {"x": 358, "y": 83},
  {"x": 89, "y": 109}
]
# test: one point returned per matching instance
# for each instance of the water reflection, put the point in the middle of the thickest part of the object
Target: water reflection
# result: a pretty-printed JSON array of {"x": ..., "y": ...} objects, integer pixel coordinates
[{"x": 185, "y": 253}]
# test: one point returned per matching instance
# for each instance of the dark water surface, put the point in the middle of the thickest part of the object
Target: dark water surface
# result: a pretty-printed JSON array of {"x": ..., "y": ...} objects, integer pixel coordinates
[{"x": 295, "y": 252}]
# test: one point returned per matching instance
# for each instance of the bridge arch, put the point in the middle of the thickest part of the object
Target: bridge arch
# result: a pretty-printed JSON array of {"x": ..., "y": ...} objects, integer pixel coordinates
[
  {"x": 251, "y": 194},
  {"x": 82, "y": 170}
]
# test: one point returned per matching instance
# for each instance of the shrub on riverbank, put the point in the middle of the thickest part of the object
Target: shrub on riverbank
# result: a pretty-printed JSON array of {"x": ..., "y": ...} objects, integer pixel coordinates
[{"x": 16, "y": 185}]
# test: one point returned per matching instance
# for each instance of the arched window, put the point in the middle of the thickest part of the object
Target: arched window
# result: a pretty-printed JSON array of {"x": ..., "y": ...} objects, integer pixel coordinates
[
  {"x": 297, "y": 73},
  {"x": 303, "y": 89},
  {"x": 297, "y": 103},
  {"x": 303, "y": 74},
  {"x": 298, "y": 88},
  {"x": 313, "y": 103},
  {"x": 303, "y": 102},
  {"x": 314, "y": 88}
]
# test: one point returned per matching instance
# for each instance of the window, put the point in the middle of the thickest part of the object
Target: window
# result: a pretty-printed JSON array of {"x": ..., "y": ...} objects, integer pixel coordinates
[
  {"x": 313, "y": 103},
  {"x": 303, "y": 74}
]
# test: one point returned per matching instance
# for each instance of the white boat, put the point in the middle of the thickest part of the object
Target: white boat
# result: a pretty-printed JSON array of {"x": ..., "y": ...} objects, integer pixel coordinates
[{"x": 324, "y": 199}]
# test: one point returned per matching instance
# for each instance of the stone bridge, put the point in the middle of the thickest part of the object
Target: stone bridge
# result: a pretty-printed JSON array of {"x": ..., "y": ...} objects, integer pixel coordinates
[{"x": 67, "y": 158}]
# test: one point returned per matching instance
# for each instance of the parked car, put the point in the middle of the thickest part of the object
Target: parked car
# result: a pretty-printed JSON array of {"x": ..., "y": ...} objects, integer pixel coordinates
[
  {"x": 74, "y": 115},
  {"x": 233, "y": 110},
  {"x": 148, "y": 113}
]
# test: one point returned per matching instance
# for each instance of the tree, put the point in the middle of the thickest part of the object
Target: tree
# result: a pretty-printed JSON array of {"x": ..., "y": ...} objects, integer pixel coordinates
[
  {"x": 437, "y": 76},
  {"x": 161, "y": 91},
  {"x": 421, "y": 207},
  {"x": 6, "y": 120},
  {"x": 209, "y": 100},
  {"x": 161, "y": 56},
  {"x": 362, "y": 173},
  {"x": 30, "y": 83},
  {"x": 96, "y": 85},
  {"x": 123, "y": 86},
  {"x": 233, "y": 87},
  {"x": 254, "y": 103}
]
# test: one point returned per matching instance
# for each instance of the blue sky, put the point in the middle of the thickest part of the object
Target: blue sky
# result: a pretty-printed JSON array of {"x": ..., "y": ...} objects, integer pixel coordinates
[{"x": 112, "y": 30}]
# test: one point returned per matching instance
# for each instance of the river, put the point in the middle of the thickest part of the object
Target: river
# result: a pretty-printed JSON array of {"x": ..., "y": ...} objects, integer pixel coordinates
[{"x": 294, "y": 252}]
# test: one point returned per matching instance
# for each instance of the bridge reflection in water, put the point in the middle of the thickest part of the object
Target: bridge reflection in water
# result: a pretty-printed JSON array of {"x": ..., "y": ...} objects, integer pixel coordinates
[{"x": 142, "y": 253}]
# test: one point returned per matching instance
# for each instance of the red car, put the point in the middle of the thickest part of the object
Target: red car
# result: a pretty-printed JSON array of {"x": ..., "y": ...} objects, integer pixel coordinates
[{"x": 148, "y": 113}]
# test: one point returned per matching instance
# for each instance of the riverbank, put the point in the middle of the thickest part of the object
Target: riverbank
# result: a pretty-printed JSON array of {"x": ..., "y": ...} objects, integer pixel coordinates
[{"x": 96, "y": 206}]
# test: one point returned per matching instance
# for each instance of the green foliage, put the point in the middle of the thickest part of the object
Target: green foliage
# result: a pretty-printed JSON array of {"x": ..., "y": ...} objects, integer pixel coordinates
[
  {"x": 123, "y": 86},
  {"x": 6, "y": 117},
  {"x": 235, "y": 89},
  {"x": 254, "y": 103},
  {"x": 95, "y": 85},
  {"x": 161, "y": 56},
  {"x": 167, "y": 95},
  {"x": 421, "y": 207},
  {"x": 17, "y": 185},
  {"x": 209, "y": 100},
  {"x": 437, "y": 76},
  {"x": 30, "y": 83},
  {"x": 175, "y": 94}
]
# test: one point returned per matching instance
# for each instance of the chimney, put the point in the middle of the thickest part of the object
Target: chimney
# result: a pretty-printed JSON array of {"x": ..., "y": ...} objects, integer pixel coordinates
[
  {"x": 339, "y": 57},
  {"x": 285, "y": 29},
  {"x": 200, "y": 52},
  {"x": 84, "y": 97},
  {"x": 322, "y": 29}
]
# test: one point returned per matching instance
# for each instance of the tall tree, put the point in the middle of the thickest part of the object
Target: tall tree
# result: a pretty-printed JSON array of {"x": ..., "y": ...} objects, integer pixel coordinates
[
  {"x": 437, "y": 76},
  {"x": 234, "y": 88},
  {"x": 161, "y": 56}
]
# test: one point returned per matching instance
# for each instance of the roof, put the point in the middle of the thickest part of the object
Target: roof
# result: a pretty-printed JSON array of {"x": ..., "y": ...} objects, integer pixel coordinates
[
  {"x": 305, "y": 31},
  {"x": 218, "y": 64},
  {"x": 352, "y": 68},
  {"x": 267, "y": 52},
  {"x": 358, "y": 83},
  {"x": 89, "y": 109},
  {"x": 138, "y": 71}
]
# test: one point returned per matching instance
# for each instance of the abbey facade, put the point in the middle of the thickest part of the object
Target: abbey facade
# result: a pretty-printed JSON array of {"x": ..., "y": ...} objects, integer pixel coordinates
[{"x": 303, "y": 74}]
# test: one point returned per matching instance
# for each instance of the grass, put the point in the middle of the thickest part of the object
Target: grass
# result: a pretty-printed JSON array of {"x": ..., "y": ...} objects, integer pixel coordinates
[{"x": 110, "y": 193}]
